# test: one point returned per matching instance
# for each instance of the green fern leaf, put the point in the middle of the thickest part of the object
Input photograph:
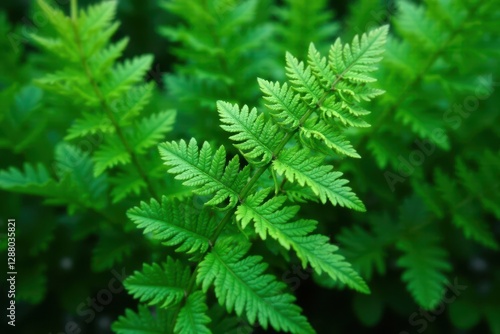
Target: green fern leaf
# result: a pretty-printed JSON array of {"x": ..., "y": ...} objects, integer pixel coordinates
[
  {"x": 326, "y": 134},
  {"x": 425, "y": 263},
  {"x": 353, "y": 62},
  {"x": 205, "y": 170},
  {"x": 272, "y": 218},
  {"x": 320, "y": 66},
  {"x": 89, "y": 124},
  {"x": 159, "y": 285},
  {"x": 103, "y": 60},
  {"x": 175, "y": 224},
  {"x": 258, "y": 138},
  {"x": 33, "y": 180},
  {"x": 143, "y": 322},
  {"x": 193, "y": 317},
  {"x": 303, "y": 80},
  {"x": 240, "y": 284},
  {"x": 60, "y": 22},
  {"x": 110, "y": 154},
  {"x": 124, "y": 75},
  {"x": 298, "y": 165},
  {"x": 465, "y": 219},
  {"x": 132, "y": 103},
  {"x": 129, "y": 182},
  {"x": 151, "y": 130},
  {"x": 285, "y": 105},
  {"x": 363, "y": 250},
  {"x": 77, "y": 184}
]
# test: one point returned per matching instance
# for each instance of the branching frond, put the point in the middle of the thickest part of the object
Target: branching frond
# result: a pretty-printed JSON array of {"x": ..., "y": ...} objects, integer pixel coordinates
[
  {"x": 270, "y": 217},
  {"x": 299, "y": 166},
  {"x": 240, "y": 284}
]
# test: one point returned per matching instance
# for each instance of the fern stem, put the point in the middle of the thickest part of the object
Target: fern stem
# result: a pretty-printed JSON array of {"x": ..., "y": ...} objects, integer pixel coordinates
[{"x": 109, "y": 112}]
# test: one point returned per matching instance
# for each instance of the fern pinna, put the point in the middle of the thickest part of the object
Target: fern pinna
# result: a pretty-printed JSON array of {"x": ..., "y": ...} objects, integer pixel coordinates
[{"x": 286, "y": 149}]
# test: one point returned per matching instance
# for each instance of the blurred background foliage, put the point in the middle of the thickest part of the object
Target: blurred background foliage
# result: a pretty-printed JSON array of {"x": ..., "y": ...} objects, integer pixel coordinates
[{"x": 440, "y": 220}]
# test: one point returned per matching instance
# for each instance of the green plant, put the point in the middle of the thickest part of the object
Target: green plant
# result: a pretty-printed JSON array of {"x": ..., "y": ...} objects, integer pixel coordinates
[
  {"x": 219, "y": 43},
  {"x": 309, "y": 113},
  {"x": 81, "y": 121},
  {"x": 438, "y": 64},
  {"x": 105, "y": 160}
]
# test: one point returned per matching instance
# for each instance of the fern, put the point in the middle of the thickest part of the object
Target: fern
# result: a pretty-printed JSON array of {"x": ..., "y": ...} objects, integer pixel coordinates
[
  {"x": 79, "y": 128},
  {"x": 102, "y": 109},
  {"x": 424, "y": 263},
  {"x": 175, "y": 224},
  {"x": 233, "y": 191},
  {"x": 416, "y": 131},
  {"x": 110, "y": 92},
  {"x": 163, "y": 286},
  {"x": 218, "y": 41}
]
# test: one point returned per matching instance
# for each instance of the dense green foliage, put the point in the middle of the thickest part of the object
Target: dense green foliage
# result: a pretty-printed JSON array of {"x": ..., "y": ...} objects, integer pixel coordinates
[{"x": 284, "y": 141}]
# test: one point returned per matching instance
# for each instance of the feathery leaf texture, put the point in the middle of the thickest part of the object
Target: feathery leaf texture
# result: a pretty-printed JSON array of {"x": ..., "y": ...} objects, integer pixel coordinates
[
  {"x": 270, "y": 217},
  {"x": 308, "y": 116},
  {"x": 175, "y": 224},
  {"x": 240, "y": 284},
  {"x": 193, "y": 317},
  {"x": 206, "y": 170},
  {"x": 258, "y": 138},
  {"x": 143, "y": 322},
  {"x": 299, "y": 166},
  {"x": 159, "y": 285},
  {"x": 425, "y": 263},
  {"x": 109, "y": 92}
]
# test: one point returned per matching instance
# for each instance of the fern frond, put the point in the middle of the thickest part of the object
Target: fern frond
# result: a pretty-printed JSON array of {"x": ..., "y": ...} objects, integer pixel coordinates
[
  {"x": 159, "y": 285},
  {"x": 89, "y": 124},
  {"x": 270, "y": 217},
  {"x": 143, "y": 322},
  {"x": 133, "y": 101},
  {"x": 285, "y": 105},
  {"x": 304, "y": 21},
  {"x": 111, "y": 153},
  {"x": 124, "y": 75},
  {"x": 257, "y": 137},
  {"x": 75, "y": 169},
  {"x": 193, "y": 317},
  {"x": 363, "y": 249},
  {"x": 303, "y": 80},
  {"x": 31, "y": 180},
  {"x": 353, "y": 62},
  {"x": 473, "y": 226},
  {"x": 175, "y": 224},
  {"x": 109, "y": 92},
  {"x": 151, "y": 130},
  {"x": 102, "y": 62},
  {"x": 425, "y": 263},
  {"x": 299, "y": 166},
  {"x": 326, "y": 134},
  {"x": 240, "y": 284},
  {"x": 205, "y": 170},
  {"x": 125, "y": 184}
]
